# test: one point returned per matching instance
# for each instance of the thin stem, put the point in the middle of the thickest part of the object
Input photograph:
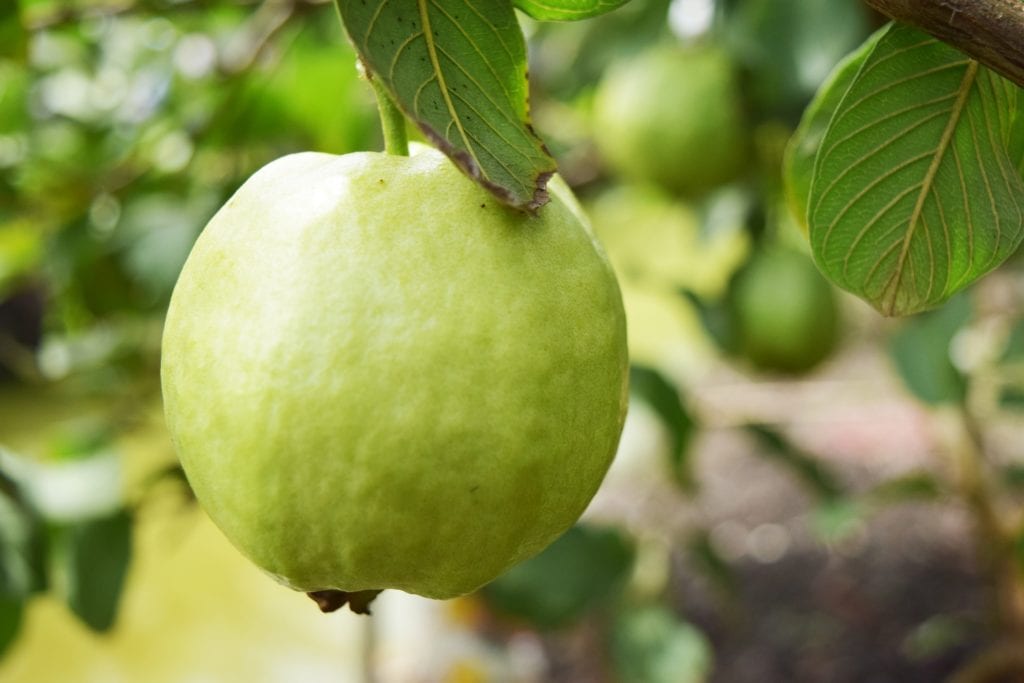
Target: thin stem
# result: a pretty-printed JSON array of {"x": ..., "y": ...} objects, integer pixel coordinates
[
  {"x": 392, "y": 120},
  {"x": 995, "y": 542}
]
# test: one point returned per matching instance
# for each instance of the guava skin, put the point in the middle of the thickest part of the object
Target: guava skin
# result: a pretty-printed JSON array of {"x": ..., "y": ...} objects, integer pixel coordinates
[
  {"x": 673, "y": 116},
  {"x": 785, "y": 312},
  {"x": 375, "y": 376}
]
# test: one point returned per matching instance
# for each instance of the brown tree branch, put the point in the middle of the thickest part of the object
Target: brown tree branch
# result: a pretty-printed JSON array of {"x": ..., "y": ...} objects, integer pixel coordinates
[{"x": 990, "y": 31}]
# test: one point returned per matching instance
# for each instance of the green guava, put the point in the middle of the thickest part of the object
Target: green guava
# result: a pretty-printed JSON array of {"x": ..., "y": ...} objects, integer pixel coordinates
[
  {"x": 784, "y": 312},
  {"x": 673, "y": 116},
  {"x": 376, "y": 376}
]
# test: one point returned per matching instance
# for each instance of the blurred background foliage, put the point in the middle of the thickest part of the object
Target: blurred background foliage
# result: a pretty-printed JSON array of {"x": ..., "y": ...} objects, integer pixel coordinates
[{"x": 804, "y": 492}]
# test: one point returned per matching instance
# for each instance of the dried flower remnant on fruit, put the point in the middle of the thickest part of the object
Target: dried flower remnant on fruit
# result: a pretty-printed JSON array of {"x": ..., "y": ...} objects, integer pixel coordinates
[{"x": 332, "y": 600}]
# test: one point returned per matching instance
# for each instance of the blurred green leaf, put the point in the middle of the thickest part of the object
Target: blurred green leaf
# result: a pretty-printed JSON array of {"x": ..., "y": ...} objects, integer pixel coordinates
[
  {"x": 915, "y": 486},
  {"x": 1011, "y": 390},
  {"x": 790, "y": 46},
  {"x": 798, "y": 163},
  {"x": 1014, "y": 350},
  {"x": 651, "y": 387},
  {"x": 11, "y": 612},
  {"x": 921, "y": 350},
  {"x": 567, "y": 10},
  {"x": 834, "y": 520},
  {"x": 585, "y": 568},
  {"x": 1012, "y": 476},
  {"x": 155, "y": 235},
  {"x": 936, "y": 636},
  {"x": 567, "y": 59},
  {"x": 13, "y": 37},
  {"x": 1011, "y": 397},
  {"x": 808, "y": 470},
  {"x": 459, "y": 71},
  {"x": 81, "y": 439},
  {"x": 14, "y": 89},
  {"x": 34, "y": 12},
  {"x": 20, "y": 252},
  {"x": 97, "y": 553},
  {"x": 1018, "y": 548},
  {"x": 22, "y": 544},
  {"x": 283, "y": 103},
  {"x": 910, "y": 203},
  {"x": 651, "y": 645},
  {"x": 710, "y": 562},
  {"x": 717, "y": 320}
]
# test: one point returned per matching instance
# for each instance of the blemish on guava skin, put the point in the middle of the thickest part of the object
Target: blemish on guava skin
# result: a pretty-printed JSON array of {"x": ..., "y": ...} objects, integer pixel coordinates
[{"x": 474, "y": 488}]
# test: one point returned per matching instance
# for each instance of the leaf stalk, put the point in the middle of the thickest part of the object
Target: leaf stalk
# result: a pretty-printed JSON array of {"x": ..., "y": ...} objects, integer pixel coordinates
[{"x": 392, "y": 120}]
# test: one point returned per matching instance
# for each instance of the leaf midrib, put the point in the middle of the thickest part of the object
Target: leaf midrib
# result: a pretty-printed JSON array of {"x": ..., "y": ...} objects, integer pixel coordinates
[
  {"x": 892, "y": 288},
  {"x": 435, "y": 62}
]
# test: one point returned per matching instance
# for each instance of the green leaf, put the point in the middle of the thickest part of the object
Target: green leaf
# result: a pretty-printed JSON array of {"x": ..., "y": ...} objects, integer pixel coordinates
[
  {"x": 22, "y": 543},
  {"x": 709, "y": 562},
  {"x": 1011, "y": 476},
  {"x": 717, "y": 319},
  {"x": 97, "y": 553},
  {"x": 13, "y": 37},
  {"x": 585, "y": 568},
  {"x": 458, "y": 69},
  {"x": 920, "y": 350},
  {"x": 914, "y": 486},
  {"x": 1018, "y": 549},
  {"x": 936, "y": 636},
  {"x": 11, "y": 612},
  {"x": 1013, "y": 352},
  {"x": 837, "y": 519},
  {"x": 651, "y": 645},
  {"x": 807, "y": 469},
  {"x": 572, "y": 58},
  {"x": 652, "y": 388},
  {"x": 798, "y": 162},
  {"x": 15, "y": 84},
  {"x": 914, "y": 194},
  {"x": 1017, "y": 134},
  {"x": 1011, "y": 391},
  {"x": 80, "y": 439},
  {"x": 567, "y": 10}
]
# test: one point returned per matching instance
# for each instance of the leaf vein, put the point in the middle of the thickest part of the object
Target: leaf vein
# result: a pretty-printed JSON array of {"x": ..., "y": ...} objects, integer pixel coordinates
[
  {"x": 435, "y": 63},
  {"x": 944, "y": 144}
]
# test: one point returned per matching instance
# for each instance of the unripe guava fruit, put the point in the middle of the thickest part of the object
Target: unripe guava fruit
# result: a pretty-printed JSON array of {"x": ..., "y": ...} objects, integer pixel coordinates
[
  {"x": 784, "y": 312},
  {"x": 376, "y": 376},
  {"x": 673, "y": 116}
]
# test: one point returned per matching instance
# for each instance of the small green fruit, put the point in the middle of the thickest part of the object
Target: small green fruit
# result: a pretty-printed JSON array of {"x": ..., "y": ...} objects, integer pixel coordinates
[
  {"x": 672, "y": 116},
  {"x": 784, "y": 312},
  {"x": 377, "y": 377}
]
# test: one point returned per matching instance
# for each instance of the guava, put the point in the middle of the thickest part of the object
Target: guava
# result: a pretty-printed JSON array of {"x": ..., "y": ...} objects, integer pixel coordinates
[
  {"x": 375, "y": 376},
  {"x": 673, "y": 116},
  {"x": 784, "y": 313}
]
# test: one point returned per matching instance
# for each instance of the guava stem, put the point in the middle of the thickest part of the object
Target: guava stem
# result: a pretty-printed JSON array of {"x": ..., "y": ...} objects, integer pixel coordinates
[{"x": 392, "y": 120}]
